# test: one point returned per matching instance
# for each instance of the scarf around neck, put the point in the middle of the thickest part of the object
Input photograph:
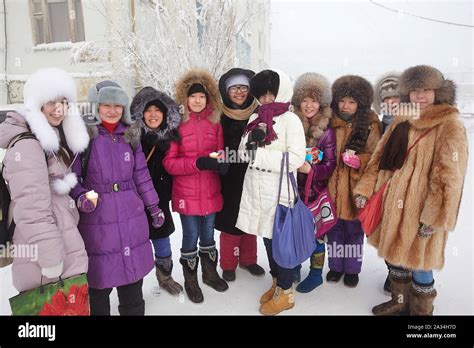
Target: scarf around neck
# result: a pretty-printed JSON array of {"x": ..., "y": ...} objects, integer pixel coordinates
[
  {"x": 240, "y": 114},
  {"x": 266, "y": 113}
]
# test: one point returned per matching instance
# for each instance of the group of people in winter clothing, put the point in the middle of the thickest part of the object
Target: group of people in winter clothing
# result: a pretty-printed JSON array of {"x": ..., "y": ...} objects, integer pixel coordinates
[{"x": 122, "y": 175}]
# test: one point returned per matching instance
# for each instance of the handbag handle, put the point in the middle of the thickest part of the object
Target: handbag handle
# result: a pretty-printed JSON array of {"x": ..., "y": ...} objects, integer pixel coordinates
[
  {"x": 41, "y": 289},
  {"x": 308, "y": 184},
  {"x": 289, "y": 178}
]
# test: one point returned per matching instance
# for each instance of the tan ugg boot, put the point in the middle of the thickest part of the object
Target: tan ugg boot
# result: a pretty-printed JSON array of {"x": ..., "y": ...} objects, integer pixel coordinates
[
  {"x": 267, "y": 296},
  {"x": 421, "y": 303},
  {"x": 400, "y": 302},
  {"x": 281, "y": 300}
]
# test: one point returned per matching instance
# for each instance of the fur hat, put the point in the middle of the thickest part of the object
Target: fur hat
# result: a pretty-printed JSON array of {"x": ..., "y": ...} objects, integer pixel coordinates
[
  {"x": 352, "y": 86},
  {"x": 263, "y": 82},
  {"x": 204, "y": 78},
  {"x": 109, "y": 92},
  {"x": 425, "y": 76},
  {"x": 223, "y": 81},
  {"x": 44, "y": 86},
  {"x": 314, "y": 86},
  {"x": 386, "y": 86}
]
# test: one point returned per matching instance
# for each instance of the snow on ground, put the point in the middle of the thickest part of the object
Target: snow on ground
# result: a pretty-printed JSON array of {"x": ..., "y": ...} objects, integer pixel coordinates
[{"x": 454, "y": 283}]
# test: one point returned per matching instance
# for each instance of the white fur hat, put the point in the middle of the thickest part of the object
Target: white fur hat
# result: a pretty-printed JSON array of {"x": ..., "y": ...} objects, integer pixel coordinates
[{"x": 47, "y": 85}]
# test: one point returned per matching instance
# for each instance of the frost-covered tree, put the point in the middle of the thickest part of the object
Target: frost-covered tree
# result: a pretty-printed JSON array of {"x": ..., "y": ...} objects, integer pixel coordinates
[{"x": 157, "y": 40}]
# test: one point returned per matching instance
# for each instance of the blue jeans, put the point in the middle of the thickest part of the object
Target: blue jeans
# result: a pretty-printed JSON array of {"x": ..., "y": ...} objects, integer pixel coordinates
[
  {"x": 197, "y": 227},
  {"x": 422, "y": 277},
  {"x": 162, "y": 247},
  {"x": 284, "y": 276}
]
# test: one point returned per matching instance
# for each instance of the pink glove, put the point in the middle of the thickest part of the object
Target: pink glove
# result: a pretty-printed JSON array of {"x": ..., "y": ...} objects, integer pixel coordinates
[
  {"x": 157, "y": 216},
  {"x": 85, "y": 205},
  {"x": 425, "y": 231},
  {"x": 351, "y": 160}
]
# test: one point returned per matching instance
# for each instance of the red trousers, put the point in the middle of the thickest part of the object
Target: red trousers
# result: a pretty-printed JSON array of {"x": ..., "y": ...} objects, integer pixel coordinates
[{"x": 237, "y": 249}]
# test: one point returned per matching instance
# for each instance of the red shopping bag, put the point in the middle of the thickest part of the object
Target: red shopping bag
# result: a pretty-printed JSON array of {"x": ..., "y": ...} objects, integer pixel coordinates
[{"x": 371, "y": 215}]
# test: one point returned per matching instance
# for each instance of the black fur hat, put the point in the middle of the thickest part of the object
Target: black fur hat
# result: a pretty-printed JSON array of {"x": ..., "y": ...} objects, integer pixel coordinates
[{"x": 263, "y": 82}]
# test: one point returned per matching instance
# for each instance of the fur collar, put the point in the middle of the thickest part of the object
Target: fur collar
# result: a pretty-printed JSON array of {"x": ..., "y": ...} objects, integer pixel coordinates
[
  {"x": 131, "y": 134},
  {"x": 435, "y": 115},
  {"x": 315, "y": 127}
]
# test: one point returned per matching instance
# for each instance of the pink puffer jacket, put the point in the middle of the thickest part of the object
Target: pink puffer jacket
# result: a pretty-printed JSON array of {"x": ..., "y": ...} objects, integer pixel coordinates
[{"x": 195, "y": 192}]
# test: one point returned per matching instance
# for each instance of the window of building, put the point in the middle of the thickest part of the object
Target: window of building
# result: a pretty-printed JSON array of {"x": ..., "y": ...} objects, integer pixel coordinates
[{"x": 57, "y": 21}]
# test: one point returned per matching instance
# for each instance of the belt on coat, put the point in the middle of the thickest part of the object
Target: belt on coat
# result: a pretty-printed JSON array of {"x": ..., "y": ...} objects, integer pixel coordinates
[{"x": 113, "y": 187}]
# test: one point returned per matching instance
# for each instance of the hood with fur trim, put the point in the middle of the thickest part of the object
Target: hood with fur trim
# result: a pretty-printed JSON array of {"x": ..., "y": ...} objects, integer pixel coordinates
[
  {"x": 172, "y": 118},
  {"x": 352, "y": 86},
  {"x": 204, "y": 78},
  {"x": 314, "y": 86},
  {"x": 425, "y": 76},
  {"x": 44, "y": 86},
  {"x": 392, "y": 75}
]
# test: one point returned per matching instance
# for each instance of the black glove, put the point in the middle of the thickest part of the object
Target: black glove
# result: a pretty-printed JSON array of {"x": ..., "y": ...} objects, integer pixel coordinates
[
  {"x": 163, "y": 145},
  {"x": 256, "y": 136},
  {"x": 208, "y": 163}
]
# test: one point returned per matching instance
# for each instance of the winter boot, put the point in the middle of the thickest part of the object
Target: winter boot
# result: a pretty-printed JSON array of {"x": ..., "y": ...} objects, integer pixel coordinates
[
  {"x": 386, "y": 285},
  {"x": 314, "y": 278},
  {"x": 422, "y": 298},
  {"x": 333, "y": 276},
  {"x": 228, "y": 275},
  {"x": 351, "y": 280},
  {"x": 210, "y": 276},
  {"x": 281, "y": 300},
  {"x": 400, "y": 283},
  {"x": 190, "y": 263},
  {"x": 268, "y": 295},
  {"x": 164, "y": 267},
  {"x": 254, "y": 269}
]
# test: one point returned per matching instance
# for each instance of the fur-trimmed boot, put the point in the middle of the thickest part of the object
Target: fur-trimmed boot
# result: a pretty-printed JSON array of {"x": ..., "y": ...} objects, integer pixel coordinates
[
  {"x": 400, "y": 284},
  {"x": 281, "y": 301},
  {"x": 209, "y": 256},
  {"x": 422, "y": 298},
  {"x": 190, "y": 263},
  {"x": 267, "y": 296},
  {"x": 164, "y": 267}
]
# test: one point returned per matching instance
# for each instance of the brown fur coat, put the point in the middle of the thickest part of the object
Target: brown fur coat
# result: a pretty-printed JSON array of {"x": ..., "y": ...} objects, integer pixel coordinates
[
  {"x": 426, "y": 189},
  {"x": 344, "y": 178}
]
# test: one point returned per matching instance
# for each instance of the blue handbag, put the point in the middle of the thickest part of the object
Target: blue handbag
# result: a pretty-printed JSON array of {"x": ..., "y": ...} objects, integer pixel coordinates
[{"x": 293, "y": 239}]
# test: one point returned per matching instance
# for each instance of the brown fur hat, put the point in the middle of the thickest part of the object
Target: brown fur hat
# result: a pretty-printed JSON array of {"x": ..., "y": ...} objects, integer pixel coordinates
[
  {"x": 204, "y": 78},
  {"x": 314, "y": 86},
  {"x": 352, "y": 86},
  {"x": 425, "y": 76}
]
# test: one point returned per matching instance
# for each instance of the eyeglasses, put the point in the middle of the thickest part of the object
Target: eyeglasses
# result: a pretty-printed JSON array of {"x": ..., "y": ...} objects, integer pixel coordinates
[{"x": 241, "y": 88}]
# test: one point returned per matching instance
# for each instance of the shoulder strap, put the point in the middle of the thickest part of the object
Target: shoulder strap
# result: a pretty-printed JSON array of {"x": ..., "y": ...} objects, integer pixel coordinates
[{"x": 418, "y": 140}]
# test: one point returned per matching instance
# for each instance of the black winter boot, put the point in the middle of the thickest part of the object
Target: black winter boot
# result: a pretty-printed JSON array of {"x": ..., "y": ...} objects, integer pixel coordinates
[
  {"x": 191, "y": 285},
  {"x": 210, "y": 276}
]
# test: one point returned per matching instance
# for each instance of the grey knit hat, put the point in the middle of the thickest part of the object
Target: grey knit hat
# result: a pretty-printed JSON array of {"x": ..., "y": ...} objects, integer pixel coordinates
[{"x": 110, "y": 92}]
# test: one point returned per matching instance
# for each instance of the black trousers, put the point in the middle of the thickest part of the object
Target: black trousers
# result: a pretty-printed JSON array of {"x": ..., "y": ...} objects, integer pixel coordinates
[{"x": 130, "y": 300}]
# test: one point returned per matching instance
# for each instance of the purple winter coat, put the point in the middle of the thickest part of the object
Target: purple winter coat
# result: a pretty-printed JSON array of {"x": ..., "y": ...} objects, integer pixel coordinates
[
  {"x": 322, "y": 170},
  {"x": 116, "y": 232}
]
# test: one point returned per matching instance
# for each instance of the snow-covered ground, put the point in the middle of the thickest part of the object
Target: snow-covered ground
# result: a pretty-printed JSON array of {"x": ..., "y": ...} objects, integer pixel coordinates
[{"x": 454, "y": 283}]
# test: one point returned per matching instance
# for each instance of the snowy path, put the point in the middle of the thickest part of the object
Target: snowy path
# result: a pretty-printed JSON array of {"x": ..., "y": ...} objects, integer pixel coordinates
[{"x": 454, "y": 283}]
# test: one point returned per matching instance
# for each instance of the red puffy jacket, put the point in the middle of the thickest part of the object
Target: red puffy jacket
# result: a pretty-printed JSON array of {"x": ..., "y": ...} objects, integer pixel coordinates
[{"x": 195, "y": 192}]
